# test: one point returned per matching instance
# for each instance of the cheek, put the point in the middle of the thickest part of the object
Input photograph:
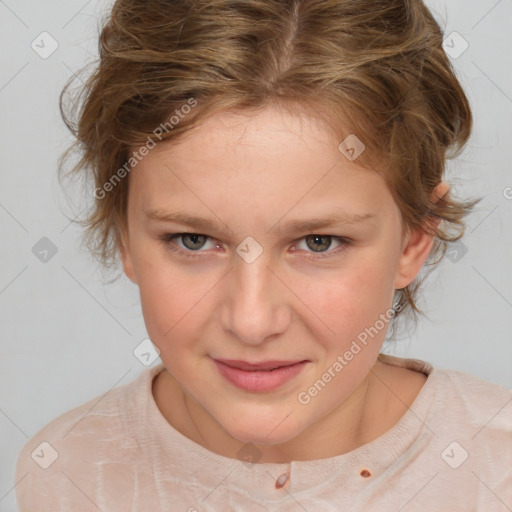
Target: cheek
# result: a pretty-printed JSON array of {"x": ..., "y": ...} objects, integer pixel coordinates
[
  {"x": 353, "y": 298},
  {"x": 160, "y": 305},
  {"x": 165, "y": 294},
  {"x": 175, "y": 299},
  {"x": 165, "y": 303}
]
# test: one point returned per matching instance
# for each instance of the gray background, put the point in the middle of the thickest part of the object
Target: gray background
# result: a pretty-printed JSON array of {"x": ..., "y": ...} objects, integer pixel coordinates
[{"x": 67, "y": 337}]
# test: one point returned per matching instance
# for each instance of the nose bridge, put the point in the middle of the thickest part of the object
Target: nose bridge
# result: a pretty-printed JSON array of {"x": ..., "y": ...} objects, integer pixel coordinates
[
  {"x": 254, "y": 307},
  {"x": 253, "y": 280}
]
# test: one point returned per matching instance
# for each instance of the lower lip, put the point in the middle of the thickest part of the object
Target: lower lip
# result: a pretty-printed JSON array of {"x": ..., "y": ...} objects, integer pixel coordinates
[{"x": 259, "y": 380}]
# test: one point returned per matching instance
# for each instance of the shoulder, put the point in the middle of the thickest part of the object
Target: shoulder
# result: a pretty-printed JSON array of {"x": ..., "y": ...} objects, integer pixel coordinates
[
  {"x": 457, "y": 406},
  {"x": 472, "y": 419},
  {"x": 464, "y": 442},
  {"x": 480, "y": 411},
  {"x": 478, "y": 402},
  {"x": 454, "y": 396},
  {"x": 66, "y": 456}
]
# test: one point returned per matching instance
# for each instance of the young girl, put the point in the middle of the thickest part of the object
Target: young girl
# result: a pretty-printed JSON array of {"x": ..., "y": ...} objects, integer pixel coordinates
[{"x": 270, "y": 174}]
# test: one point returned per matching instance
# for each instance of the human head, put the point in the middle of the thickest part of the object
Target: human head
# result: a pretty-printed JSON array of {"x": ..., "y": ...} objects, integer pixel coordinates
[
  {"x": 249, "y": 287},
  {"x": 379, "y": 70}
]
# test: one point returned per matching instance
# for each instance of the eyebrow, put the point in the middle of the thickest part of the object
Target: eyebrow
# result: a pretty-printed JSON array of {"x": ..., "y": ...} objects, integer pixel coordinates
[{"x": 201, "y": 223}]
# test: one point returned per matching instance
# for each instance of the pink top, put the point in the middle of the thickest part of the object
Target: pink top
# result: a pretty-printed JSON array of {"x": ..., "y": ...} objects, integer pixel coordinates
[{"x": 451, "y": 451}]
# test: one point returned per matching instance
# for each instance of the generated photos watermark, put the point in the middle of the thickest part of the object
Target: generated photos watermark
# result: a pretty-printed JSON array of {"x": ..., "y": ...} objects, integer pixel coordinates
[
  {"x": 137, "y": 156},
  {"x": 304, "y": 397}
]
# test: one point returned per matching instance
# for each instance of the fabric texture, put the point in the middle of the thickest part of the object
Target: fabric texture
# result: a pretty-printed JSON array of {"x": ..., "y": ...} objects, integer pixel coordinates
[{"x": 451, "y": 451}]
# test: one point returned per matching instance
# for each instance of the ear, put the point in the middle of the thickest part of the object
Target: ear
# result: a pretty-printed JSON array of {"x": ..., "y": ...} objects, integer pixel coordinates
[
  {"x": 417, "y": 246},
  {"x": 126, "y": 257}
]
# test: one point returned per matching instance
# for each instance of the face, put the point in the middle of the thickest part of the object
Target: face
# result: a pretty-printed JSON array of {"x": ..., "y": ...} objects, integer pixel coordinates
[{"x": 298, "y": 252}]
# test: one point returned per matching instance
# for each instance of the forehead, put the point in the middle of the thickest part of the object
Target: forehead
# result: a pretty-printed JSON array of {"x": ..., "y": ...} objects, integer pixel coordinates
[{"x": 271, "y": 159}]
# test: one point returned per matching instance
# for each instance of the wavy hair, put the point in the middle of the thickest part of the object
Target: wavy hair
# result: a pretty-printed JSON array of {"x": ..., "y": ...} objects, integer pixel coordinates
[{"x": 376, "y": 66}]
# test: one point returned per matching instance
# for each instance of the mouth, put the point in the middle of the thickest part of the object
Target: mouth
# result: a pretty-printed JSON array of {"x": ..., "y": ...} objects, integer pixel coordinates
[
  {"x": 259, "y": 377},
  {"x": 266, "y": 366}
]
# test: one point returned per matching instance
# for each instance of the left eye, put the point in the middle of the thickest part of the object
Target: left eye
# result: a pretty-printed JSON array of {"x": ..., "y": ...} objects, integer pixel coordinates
[{"x": 319, "y": 243}]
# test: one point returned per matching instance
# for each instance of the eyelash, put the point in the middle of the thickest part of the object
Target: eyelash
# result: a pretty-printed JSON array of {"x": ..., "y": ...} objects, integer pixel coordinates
[{"x": 167, "y": 241}]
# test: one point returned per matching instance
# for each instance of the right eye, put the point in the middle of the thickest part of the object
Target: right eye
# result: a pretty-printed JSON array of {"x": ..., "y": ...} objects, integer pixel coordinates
[{"x": 191, "y": 243}]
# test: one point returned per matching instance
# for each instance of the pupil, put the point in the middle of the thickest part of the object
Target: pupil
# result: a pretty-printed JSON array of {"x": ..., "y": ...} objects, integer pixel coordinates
[
  {"x": 195, "y": 243},
  {"x": 317, "y": 238}
]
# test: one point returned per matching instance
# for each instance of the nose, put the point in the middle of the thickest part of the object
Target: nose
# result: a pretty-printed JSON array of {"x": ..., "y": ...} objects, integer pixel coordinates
[{"x": 254, "y": 306}]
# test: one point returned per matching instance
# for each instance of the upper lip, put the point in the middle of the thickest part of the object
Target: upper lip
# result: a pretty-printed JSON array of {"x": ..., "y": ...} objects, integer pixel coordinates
[{"x": 264, "y": 365}]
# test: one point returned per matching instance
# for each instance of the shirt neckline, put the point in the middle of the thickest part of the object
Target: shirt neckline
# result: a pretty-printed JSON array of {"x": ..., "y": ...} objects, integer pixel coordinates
[{"x": 170, "y": 455}]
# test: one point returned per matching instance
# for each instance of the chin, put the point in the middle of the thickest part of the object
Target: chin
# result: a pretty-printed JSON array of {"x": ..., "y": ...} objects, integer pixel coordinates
[{"x": 262, "y": 432}]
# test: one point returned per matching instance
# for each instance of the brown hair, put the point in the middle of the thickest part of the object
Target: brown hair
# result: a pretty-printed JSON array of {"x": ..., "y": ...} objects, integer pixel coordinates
[{"x": 378, "y": 68}]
